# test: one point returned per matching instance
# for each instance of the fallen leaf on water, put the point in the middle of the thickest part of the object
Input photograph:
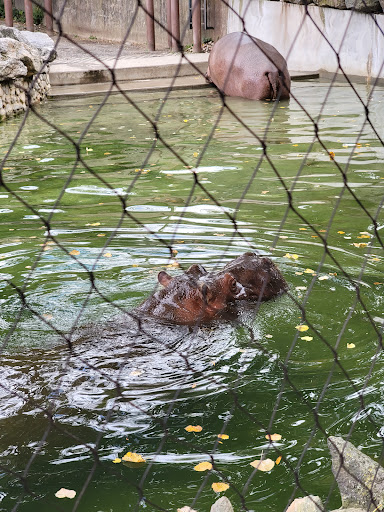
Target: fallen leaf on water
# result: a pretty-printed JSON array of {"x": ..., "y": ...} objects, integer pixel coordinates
[
  {"x": 136, "y": 373},
  {"x": 101, "y": 234},
  {"x": 116, "y": 461},
  {"x": 107, "y": 255},
  {"x": 219, "y": 486},
  {"x": 273, "y": 437},
  {"x": 75, "y": 252},
  {"x": 47, "y": 316},
  {"x": 302, "y": 328},
  {"x": 223, "y": 436},
  {"x": 307, "y": 338},
  {"x": 376, "y": 283},
  {"x": 263, "y": 465},
  {"x": 360, "y": 245},
  {"x": 133, "y": 457},
  {"x": 195, "y": 154},
  {"x": 331, "y": 155},
  {"x": 65, "y": 493},
  {"x": 351, "y": 345},
  {"x": 323, "y": 278},
  {"x": 364, "y": 236},
  {"x": 193, "y": 386},
  {"x": 303, "y": 229},
  {"x": 194, "y": 428},
  {"x": 309, "y": 271},
  {"x": 300, "y": 288},
  {"x": 264, "y": 191},
  {"x": 341, "y": 232},
  {"x": 278, "y": 460},
  {"x": 203, "y": 466}
]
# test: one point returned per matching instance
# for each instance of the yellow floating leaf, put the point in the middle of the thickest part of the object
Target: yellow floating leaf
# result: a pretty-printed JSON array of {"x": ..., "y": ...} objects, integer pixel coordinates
[
  {"x": 47, "y": 316},
  {"x": 136, "y": 373},
  {"x": 302, "y": 229},
  {"x": 299, "y": 288},
  {"x": 360, "y": 245},
  {"x": 75, "y": 252},
  {"x": 65, "y": 493},
  {"x": 331, "y": 155},
  {"x": 194, "y": 428},
  {"x": 263, "y": 465},
  {"x": 307, "y": 338},
  {"x": 341, "y": 232},
  {"x": 273, "y": 437},
  {"x": 364, "y": 236},
  {"x": 116, "y": 461},
  {"x": 101, "y": 234},
  {"x": 376, "y": 282},
  {"x": 323, "y": 278},
  {"x": 133, "y": 457},
  {"x": 193, "y": 386},
  {"x": 223, "y": 436},
  {"x": 264, "y": 191},
  {"x": 219, "y": 486},
  {"x": 302, "y": 328},
  {"x": 351, "y": 345},
  {"x": 185, "y": 120},
  {"x": 309, "y": 271},
  {"x": 195, "y": 154},
  {"x": 278, "y": 460},
  {"x": 299, "y": 273},
  {"x": 269, "y": 336},
  {"x": 107, "y": 153},
  {"x": 203, "y": 466},
  {"x": 107, "y": 255}
]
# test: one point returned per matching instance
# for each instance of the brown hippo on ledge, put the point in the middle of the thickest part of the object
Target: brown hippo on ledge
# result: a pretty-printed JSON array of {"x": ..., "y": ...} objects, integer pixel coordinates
[
  {"x": 241, "y": 65},
  {"x": 193, "y": 298}
]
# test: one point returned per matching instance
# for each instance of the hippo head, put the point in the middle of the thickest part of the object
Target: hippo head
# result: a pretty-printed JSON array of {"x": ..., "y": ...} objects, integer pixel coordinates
[
  {"x": 259, "y": 276},
  {"x": 195, "y": 297}
]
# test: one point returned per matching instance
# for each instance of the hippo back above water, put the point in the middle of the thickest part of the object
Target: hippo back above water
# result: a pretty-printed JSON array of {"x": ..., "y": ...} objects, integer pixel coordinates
[{"x": 241, "y": 65}]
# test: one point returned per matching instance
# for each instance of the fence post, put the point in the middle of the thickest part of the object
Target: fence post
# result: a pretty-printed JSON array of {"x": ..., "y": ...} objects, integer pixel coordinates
[
  {"x": 8, "y": 13},
  {"x": 196, "y": 25},
  {"x": 48, "y": 16},
  {"x": 150, "y": 23},
  {"x": 28, "y": 15},
  {"x": 175, "y": 24},
  {"x": 169, "y": 22}
]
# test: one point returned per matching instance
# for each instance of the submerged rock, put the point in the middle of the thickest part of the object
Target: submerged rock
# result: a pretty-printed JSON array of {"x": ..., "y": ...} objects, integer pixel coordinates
[
  {"x": 222, "y": 505},
  {"x": 360, "y": 479},
  {"x": 307, "y": 504}
]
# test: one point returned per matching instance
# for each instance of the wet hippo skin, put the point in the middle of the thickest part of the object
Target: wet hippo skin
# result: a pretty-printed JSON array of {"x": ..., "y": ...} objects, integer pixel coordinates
[
  {"x": 259, "y": 276},
  {"x": 193, "y": 298},
  {"x": 241, "y": 65}
]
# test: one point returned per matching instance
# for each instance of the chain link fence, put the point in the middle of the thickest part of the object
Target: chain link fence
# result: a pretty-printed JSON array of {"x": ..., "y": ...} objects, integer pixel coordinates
[{"x": 100, "y": 194}]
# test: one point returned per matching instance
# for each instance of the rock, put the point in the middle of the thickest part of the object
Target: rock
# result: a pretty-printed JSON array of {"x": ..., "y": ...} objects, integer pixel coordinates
[
  {"x": 360, "y": 479},
  {"x": 12, "y": 33},
  {"x": 335, "y": 4},
  {"x": 42, "y": 42},
  {"x": 349, "y": 510},
  {"x": 364, "y": 5},
  {"x": 222, "y": 505},
  {"x": 382, "y": 4},
  {"x": 17, "y": 59},
  {"x": 307, "y": 504}
]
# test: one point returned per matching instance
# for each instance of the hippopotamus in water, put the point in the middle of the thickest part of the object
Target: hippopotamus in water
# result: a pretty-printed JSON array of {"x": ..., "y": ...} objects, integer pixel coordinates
[
  {"x": 259, "y": 276},
  {"x": 241, "y": 65},
  {"x": 193, "y": 298}
]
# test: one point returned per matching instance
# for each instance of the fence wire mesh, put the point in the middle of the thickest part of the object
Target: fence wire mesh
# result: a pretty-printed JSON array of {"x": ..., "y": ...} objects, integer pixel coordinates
[{"x": 98, "y": 195}]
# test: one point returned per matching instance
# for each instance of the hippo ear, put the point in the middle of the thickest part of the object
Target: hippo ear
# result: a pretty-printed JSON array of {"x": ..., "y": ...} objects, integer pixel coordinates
[
  {"x": 164, "y": 278},
  {"x": 196, "y": 270}
]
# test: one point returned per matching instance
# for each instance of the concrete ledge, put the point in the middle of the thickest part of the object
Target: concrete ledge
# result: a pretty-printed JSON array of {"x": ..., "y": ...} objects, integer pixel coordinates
[{"x": 129, "y": 69}]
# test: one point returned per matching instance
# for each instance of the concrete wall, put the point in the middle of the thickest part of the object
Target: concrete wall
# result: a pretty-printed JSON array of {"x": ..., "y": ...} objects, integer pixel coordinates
[
  {"x": 115, "y": 19},
  {"x": 355, "y": 36}
]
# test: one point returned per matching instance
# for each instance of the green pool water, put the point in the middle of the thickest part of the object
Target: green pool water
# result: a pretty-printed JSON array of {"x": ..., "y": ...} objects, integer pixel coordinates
[{"x": 117, "y": 214}]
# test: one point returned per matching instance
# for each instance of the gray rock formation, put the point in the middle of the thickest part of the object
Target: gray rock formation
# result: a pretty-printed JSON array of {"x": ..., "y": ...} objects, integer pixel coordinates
[
  {"x": 360, "y": 479},
  {"x": 307, "y": 504},
  {"x": 42, "y": 42},
  {"x": 222, "y": 505},
  {"x": 364, "y": 5},
  {"x": 18, "y": 59}
]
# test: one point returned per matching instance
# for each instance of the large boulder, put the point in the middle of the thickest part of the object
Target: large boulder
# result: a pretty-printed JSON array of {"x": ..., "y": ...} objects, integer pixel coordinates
[
  {"x": 18, "y": 59},
  {"x": 360, "y": 479},
  {"x": 44, "y": 44}
]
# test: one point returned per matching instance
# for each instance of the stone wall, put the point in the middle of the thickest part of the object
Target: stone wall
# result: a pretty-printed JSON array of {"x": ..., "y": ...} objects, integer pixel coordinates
[
  {"x": 24, "y": 67},
  {"x": 13, "y": 96}
]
